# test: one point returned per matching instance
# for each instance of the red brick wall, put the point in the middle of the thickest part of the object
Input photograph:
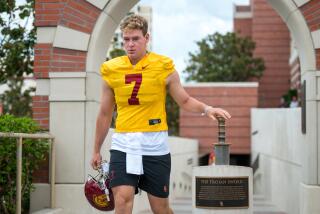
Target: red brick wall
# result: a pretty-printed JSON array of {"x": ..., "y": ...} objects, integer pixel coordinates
[
  {"x": 50, "y": 59},
  {"x": 243, "y": 27},
  {"x": 237, "y": 100},
  {"x": 40, "y": 108},
  {"x": 75, "y": 14},
  {"x": 273, "y": 44},
  {"x": 311, "y": 12},
  {"x": 48, "y": 12},
  {"x": 41, "y": 175},
  {"x": 80, "y": 15},
  {"x": 42, "y": 57}
]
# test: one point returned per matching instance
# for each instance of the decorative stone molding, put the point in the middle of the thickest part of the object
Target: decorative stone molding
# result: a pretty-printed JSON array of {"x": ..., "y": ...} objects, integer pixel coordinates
[
  {"x": 99, "y": 42},
  {"x": 284, "y": 8},
  {"x": 46, "y": 34},
  {"x": 67, "y": 86},
  {"x": 99, "y": 3},
  {"x": 118, "y": 9},
  {"x": 242, "y": 15},
  {"x": 43, "y": 87},
  {"x": 71, "y": 39},
  {"x": 299, "y": 30},
  {"x": 316, "y": 38},
  {"x": 301, "y": 2}
]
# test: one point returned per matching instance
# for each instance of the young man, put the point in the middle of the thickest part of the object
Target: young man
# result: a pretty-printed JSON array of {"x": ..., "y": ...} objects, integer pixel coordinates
[{"x": 137, "y": 83}]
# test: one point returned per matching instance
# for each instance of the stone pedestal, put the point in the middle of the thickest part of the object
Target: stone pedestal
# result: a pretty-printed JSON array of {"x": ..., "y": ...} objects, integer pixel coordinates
[
  {"x": 222, "y": 187},
  {"x": 309, "y": 199}
]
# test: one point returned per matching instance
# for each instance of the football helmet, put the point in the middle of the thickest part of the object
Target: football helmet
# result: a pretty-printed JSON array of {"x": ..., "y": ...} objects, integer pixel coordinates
[{"x": 97, "y": 190}]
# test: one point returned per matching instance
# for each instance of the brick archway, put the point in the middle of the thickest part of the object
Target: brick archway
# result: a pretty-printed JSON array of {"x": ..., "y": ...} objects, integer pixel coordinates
[{"x": 73, "y": 37}]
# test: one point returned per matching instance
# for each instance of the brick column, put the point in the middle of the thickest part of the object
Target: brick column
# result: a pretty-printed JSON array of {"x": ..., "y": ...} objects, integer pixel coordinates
[{"x": 72, "y": 41}]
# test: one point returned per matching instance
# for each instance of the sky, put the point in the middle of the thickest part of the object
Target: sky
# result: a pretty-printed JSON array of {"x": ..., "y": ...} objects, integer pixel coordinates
[{"x": 178, "y": 24}]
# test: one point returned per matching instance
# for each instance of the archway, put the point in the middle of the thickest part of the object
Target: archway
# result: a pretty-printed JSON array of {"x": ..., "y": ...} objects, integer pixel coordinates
[
  {"x": 67, "y": 77},
  {"x": 296, "y": 15}
]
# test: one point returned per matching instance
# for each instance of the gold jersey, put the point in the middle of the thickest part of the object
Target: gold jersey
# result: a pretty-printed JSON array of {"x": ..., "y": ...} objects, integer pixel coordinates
[{"x": 140, "y": 91}]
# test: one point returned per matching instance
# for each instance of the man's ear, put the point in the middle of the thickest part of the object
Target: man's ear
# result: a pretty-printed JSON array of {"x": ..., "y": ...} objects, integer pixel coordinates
[{"x": 147, "y": 36}]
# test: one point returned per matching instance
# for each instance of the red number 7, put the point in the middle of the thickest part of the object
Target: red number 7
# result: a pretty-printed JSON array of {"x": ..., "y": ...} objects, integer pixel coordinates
[{"x": 137, "y": 78}]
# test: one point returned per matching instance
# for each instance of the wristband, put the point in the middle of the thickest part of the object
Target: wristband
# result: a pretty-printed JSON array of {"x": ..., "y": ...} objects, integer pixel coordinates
[{"x": 205, "y": 111}]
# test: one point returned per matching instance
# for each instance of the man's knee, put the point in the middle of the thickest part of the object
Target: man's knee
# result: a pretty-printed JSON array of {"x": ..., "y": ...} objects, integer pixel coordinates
[
  {"x": 123, "y": 196},
  {"x": 159, "y": 206},
  {"x": 122, "y": 200}
]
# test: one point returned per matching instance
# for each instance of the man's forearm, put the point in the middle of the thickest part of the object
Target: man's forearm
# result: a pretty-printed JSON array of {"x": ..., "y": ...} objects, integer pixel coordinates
[
  {"x": 102, "y": 128},
  {"x": 193, "y": 105}
]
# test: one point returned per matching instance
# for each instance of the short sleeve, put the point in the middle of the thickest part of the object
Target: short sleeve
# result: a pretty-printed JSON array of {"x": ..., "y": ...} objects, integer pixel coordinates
[
  {"x": 168, "y": 66},
  {"x": 105, "y": 73}
]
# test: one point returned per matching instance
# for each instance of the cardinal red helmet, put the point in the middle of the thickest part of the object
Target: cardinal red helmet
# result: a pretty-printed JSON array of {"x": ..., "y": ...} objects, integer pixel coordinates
[{"x": 98, "y": 193}]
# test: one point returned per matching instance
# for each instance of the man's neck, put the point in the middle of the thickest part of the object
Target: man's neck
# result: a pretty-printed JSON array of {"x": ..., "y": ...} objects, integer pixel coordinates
[{"x": 135, "y": 61}]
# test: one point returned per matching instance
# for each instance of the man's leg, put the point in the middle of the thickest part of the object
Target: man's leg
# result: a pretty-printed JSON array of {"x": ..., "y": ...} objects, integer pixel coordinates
[
  {"x": 123, "y": 198},
  {"x": 155, "y": 181},
  {"x": 159, "y": 205},
  {"x": 122, "y": 184}
]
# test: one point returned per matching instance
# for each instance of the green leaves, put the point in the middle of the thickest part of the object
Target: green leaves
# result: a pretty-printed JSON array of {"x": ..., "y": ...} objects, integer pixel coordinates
[
  {"x": 116, "y": 52},
  {"x": 172, "y": 110},
  {"x": 224, "y": 58},
  {"x": 17, "y": 40},
  {"x": 34, "y": 151}
]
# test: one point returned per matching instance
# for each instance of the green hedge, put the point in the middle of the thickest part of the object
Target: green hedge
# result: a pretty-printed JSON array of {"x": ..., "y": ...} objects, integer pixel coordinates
[{"x": 33, "y": 152}]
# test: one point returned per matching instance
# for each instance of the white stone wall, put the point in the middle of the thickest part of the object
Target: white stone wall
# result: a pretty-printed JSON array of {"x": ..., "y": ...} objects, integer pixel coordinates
[{"x": 278, "y": 141}]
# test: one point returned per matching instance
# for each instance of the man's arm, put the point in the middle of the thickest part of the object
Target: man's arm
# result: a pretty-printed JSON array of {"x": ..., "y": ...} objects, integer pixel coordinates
[
  {"x": 103, "y": 123},
  {"x": 189, "y": 103}
]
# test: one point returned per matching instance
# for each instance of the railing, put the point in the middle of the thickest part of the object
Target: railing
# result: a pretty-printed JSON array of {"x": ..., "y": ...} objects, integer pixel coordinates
[{"x": 19, "y": 137}]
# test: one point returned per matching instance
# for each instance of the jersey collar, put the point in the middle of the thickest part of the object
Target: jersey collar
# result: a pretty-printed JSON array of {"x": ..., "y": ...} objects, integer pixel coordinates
[{"x": 142, "y": 64}]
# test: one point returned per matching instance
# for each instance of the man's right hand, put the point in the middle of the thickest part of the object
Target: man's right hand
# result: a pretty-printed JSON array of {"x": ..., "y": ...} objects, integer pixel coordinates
[{"x": 96, "y": 161}]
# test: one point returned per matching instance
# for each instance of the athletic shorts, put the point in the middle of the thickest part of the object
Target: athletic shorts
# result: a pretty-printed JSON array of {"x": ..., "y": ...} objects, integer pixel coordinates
[{"x": 156, "y": 177}]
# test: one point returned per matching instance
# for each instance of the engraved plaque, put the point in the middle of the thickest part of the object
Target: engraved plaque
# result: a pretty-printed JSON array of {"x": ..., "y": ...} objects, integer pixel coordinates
[{"x": 222, "y": 192}]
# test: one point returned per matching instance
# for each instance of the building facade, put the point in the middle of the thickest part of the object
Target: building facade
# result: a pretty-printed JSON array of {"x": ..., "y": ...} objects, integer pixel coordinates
[{"x": 264, "y": 26}]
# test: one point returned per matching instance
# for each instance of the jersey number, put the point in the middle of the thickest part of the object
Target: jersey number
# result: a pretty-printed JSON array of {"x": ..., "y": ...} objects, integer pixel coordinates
[{"x": 137, "y": 78}]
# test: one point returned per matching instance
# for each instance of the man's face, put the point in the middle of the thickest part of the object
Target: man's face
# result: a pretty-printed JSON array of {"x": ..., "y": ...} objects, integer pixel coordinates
[{"x": 135, "y": 44}]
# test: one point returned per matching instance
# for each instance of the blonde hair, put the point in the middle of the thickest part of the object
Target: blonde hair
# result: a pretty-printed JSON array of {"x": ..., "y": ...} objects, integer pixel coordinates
[{"x": 134, "y": 22}]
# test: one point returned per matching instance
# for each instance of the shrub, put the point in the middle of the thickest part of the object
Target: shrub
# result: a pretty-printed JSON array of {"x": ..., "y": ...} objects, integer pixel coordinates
[{"x": 33, "y": 152}]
